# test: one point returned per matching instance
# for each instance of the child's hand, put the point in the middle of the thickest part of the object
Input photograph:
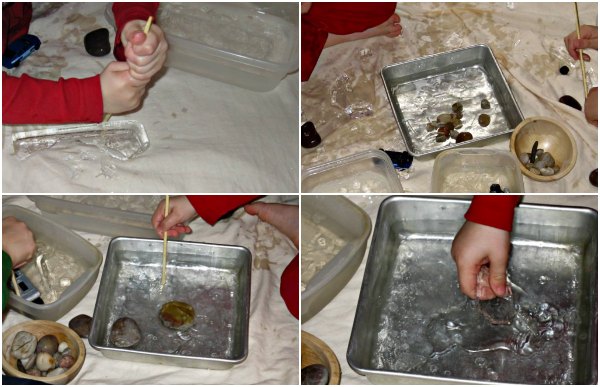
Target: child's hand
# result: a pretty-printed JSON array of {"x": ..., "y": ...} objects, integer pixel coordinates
[
  {"x": 145, "y": 54},
  {"x": 17, "y": 241},
  {"x": 589, "y": 39},
  {"x": 180, "y": 211},
  {"x": 591, "y": 106},
  {"x": 282, "y": 216},
  {"x": 120, "y": 92},
  {"x": 474, "y": 246}
]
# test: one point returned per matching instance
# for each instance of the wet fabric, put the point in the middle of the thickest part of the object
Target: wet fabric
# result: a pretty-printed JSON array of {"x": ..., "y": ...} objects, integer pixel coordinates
[{"x": 340, "y": 19}]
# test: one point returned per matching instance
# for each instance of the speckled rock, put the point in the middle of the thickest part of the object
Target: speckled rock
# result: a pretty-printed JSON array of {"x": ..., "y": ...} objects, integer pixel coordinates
[
  {"x": 45, "y": 361},
  {"x": 48, "y": 344}
]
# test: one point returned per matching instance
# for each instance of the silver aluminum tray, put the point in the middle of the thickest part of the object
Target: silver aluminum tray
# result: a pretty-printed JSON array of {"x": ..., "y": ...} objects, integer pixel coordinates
[
  {"x": 421, "y": 89},
  {"x": 122, "y": 140},
  {"x": 413, "y": 322},
  {"x": 214, "y": 279}
]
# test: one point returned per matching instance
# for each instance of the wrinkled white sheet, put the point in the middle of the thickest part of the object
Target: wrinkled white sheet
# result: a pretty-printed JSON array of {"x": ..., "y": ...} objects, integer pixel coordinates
[
  {"x": 205, "y": 136},
  {"x": 273, "y": 344},
  {"x": 527, "y": 40},
  {"x": 333, "y": 324}
]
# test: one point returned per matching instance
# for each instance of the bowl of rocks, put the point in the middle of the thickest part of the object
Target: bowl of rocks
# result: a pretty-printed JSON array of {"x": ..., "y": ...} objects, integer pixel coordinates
[
  {"x": 545, "y": 148},
  {"x": 40, "y": 350}
]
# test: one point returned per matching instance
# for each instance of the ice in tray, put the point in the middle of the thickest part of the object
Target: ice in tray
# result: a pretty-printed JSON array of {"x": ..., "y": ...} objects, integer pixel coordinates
[{"x": 122, "y": 140}]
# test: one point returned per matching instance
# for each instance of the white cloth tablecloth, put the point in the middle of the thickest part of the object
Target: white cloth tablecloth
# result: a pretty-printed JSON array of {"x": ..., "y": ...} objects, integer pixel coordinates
[
  {"x": 527, "y": 40},
  {"x": 205, "y": 136},
  {"x": 333, "y": 324},
  {"x": 273, "y": 338}
]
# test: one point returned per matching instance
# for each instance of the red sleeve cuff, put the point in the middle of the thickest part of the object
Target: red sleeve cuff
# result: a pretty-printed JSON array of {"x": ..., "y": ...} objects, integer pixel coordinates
[
  {"x": 125, "y": 12},
  {"x": 493, "y": 210},
  {"x": 211, "y": 208}
]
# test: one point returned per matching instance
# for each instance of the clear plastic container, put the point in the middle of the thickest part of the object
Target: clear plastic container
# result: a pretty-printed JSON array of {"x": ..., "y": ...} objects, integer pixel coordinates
[
  {"x": 75, "y": 246},
  {"x": 472, "y": 170},
  {"x": 100, "y": 219},
  {"x": 351, "y": 226},
  {"x": 370, "y": 171},
  {"x": 236, "y": 43}
]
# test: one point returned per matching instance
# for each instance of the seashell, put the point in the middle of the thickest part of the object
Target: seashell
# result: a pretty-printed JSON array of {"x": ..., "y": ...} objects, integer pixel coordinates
[
  {"x": 464, "y": 136},
  {"x": 125, "y": 333},
  {"x": 484, "y": 120},
  {"x": 45, "y": 361},
  {"x": 48, "y": 344},
  {"x": 179, "y": 315},
  {"x": 56, "y": 372},
  {"x": 23, "y": 345}
]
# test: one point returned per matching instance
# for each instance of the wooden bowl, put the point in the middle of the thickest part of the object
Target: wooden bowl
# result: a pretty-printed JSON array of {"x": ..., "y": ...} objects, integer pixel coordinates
[
  {"x": 551, "y": 137},
  {"x": 40, "y": 328},
  {"x": 315, "y": 351}
]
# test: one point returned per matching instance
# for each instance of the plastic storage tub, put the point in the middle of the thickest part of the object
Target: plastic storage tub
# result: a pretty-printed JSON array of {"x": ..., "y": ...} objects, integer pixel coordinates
[
  {"x": 475, "y": 170},
  {"x": 97, "y": 219},
  {"x": 235, "y": 43},
  {"x": 213, "y": 279},
  {"x": 71, "y": 243},
  {"x": 369, "y": 171},
  {"x": 351, "y": 226}
]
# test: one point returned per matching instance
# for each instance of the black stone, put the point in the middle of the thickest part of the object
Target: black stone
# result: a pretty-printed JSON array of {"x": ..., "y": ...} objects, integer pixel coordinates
[
  {"x": 594, "y": 177},
  {"x": 533, "y": 152},
  {"x": 309, "y": 136},
  {"x": 495, "y": 188},
  {"x": 564, "y": 70},
  {"x": 315, "y": 374},
  {"x": 97, "y": 43},
  {"x": 570, "y": 101}
]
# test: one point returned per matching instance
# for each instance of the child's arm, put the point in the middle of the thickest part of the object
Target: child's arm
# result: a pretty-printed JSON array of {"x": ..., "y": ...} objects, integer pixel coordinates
[{"x": 484, "y": 239}]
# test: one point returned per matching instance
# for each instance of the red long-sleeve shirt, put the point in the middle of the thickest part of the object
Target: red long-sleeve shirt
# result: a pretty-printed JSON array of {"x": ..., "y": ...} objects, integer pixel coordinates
[
  {"x": 493, "y": 210},
  {"x": 211, "y": 208},
  {"x": 27, "y": 100},
  {"x": 340, "y": 19}
]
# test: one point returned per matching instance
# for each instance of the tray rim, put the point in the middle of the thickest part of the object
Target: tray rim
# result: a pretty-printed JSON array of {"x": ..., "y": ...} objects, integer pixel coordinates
[{"x": 410, "y": 149}]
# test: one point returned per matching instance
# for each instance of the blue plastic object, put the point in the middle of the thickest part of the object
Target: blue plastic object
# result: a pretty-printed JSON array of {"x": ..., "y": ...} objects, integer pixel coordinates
[{"x": 20, "y": 49}]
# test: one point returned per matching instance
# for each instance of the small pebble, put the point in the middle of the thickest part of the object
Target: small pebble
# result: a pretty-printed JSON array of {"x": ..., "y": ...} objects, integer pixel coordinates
[
  {"x": 177, "y": 315},
  {"x": 495, "y": 188},
  {"x": 44, "y": 361},
  {"x": 570, "y": 101},
  {"x": 81, "y": 325},
  {"x": 535, "y": 171},
  {"x": 62, "y": 346},
  {"x": 57, "y": 356},
  {"x": 454, "y": 134},
  {"x": 524, "y": 158},
  {"x": 28, "y": 363},
  {"x": 485, "y": 104},
  {"x": 564, "y": 70},
  {"x": 431, "y": 126},
  {"x": 457, "y": 123},
  {"x": 66, "y": 362},
  {"x": 48, "y": 344},
  {"x": 314, "y": 374},
  {"x": 484, "y": 120},
  {"x": 444, "y": 118},
  {"x": 23, "y": 345},
  {"x": 34, "y": 372},
  {"x": 464, "y": 136},
  {"x": 440, "y": 138},
  {"x": 594, "y": 177},
  {"x": 457, "y": 107},
  {"x": 445, "y": 130},
  {"x": 547, "y": 171},
  {"x": 20, "y": 366},
  {"x": 125, "y": 333},
  {"x": 56, "y": 372},
  {"x": 310, "y": 137},
  {"x": 458, "y": 115}
]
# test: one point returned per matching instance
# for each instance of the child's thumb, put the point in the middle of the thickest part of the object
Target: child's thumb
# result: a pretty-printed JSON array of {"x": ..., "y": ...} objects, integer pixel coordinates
[
  {"x": 136, "y": 37},
  {"x": 498, "y": 278}
]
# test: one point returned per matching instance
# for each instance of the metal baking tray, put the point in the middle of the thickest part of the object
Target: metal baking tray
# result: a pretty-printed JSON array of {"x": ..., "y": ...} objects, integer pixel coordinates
[
  {"x": 214, "y": 279},
  {"x": 122, "y": 140},
  {"x": 413, "y": 322},
  {"x": 421, "y": 89}
]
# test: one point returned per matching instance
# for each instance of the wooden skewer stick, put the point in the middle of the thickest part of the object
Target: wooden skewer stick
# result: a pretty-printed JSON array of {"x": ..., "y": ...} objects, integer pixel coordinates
[
  {"x": 15, "y": 284},
  {"x": 163, "y": 278},
  {"x": 581, "y": 62},
  {"x": 146, "y": 29}
]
